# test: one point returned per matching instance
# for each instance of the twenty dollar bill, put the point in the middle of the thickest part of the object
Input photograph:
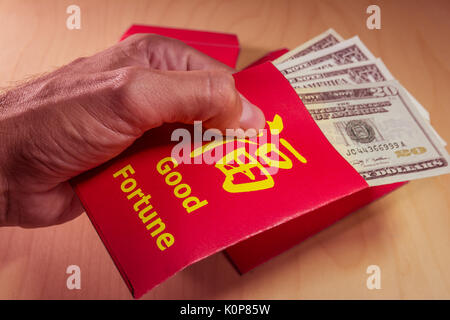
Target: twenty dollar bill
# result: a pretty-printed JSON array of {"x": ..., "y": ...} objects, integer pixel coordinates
[
  {"x": 378, "y": 130},
  {"x": 348, "y": 51},
  {"x": 324, "y": 40}
]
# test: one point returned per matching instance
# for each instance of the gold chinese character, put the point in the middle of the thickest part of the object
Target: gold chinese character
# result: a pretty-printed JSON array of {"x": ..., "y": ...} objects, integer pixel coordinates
[{"x": 239, "y": 163}]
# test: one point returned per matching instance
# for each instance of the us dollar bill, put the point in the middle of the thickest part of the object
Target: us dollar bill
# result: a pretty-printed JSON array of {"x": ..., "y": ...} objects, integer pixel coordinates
[
  {"x": 324, "y": 40},
  {"x": 346, "y": 52},
  {"x": 377, "y": 129},
  {"x": 353, "y": 73},
  {"x": 369, "y": 73}
]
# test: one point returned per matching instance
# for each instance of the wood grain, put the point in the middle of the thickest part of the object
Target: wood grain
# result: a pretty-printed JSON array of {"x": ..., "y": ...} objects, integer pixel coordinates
[{"x": 405, "y": 233}]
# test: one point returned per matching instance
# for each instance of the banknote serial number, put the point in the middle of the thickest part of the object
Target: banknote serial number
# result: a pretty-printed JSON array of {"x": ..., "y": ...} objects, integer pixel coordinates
[{"x": 375, "y": 148}]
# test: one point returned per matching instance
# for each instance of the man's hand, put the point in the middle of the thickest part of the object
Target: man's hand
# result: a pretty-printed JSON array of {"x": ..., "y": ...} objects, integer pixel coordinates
[{"x": 85, "y": 113}]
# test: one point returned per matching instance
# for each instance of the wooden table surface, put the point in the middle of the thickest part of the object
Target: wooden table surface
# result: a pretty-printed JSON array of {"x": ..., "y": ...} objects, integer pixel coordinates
[{"x": 406, "y": 233}]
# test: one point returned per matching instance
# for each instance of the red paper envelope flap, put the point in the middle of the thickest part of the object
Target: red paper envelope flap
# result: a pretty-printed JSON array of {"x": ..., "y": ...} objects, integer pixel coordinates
[
  {"x": 272, "y": 55},
  {"x": 223, "y": 47},
  {"x": 153, "y": 240}
]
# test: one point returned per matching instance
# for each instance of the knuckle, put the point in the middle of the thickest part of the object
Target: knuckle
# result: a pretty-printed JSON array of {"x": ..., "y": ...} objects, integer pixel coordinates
[
  {"x": 154, "y": 47},
  {"x": 138, "y": 37},
  {"x": 124, "y": 100},
  {"x": 154, "y": 40},
  {"x": 79, "y": 60},
  {"x": 221, "y": 91},
  {"x": 123, "y": 78}
]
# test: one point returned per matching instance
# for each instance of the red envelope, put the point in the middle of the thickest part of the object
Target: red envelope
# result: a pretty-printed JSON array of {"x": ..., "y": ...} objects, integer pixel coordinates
[
  {"x": 156, "y": 215},
  {"x": 251, "y": 252}
]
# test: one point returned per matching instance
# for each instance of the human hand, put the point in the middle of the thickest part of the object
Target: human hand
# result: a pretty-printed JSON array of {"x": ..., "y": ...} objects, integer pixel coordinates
[{"x": 89, "y": 111}]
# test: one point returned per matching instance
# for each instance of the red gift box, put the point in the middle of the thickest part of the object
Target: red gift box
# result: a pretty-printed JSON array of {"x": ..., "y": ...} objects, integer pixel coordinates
[{"x": 156, "y": 215}]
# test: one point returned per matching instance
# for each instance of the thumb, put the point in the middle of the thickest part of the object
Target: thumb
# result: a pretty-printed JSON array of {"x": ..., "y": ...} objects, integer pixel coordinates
[{"x": 188, "y": 96}]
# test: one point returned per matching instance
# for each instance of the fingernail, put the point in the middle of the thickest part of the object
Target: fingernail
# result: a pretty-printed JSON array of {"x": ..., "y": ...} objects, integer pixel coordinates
[{"x": 252, "y": 117}]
